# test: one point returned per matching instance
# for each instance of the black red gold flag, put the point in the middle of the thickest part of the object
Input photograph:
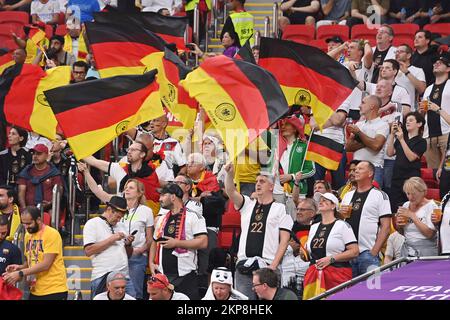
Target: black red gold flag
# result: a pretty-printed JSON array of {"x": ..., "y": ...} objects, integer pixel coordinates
[{"x": 325, "y": 151}]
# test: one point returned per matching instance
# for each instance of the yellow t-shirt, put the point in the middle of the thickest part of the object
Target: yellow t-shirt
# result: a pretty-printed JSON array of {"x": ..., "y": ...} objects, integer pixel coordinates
[
  {"x": 247, "y": 164},
  {"x": 54, "y": 280}
]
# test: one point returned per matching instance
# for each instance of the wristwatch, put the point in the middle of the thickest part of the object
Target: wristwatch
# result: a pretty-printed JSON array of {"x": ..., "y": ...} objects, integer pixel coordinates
[
  {"x": 21, "y": 274},
  {"x": 332, "y": 260}
]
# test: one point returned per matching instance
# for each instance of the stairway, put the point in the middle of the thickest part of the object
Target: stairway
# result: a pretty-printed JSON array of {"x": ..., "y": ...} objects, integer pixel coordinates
[{"x": 259, "y": 9}]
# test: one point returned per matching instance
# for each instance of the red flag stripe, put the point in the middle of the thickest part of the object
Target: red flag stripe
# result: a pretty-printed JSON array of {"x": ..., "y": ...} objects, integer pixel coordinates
[{"x": 324, "y": 151}]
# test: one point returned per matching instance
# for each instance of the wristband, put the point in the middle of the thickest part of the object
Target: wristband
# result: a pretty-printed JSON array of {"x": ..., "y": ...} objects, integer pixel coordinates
[
  {"x": 21, "y": 274},
  {"x": 293, "y": 176}
]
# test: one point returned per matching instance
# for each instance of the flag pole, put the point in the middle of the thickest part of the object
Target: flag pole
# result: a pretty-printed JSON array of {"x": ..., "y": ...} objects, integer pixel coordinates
[{"x": 307, "y": 145}]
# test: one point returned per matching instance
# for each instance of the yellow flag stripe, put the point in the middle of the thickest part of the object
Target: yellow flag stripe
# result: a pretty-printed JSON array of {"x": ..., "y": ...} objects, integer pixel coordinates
[
  {"x": 321, "y": 111},
  {"x": 120, "y": 71},
  {"x": 6, "y": 65},
  {"x": 43, "y": 120},
  {"x": 323, "y": 161},
  {"x": 213, "y": 98}
]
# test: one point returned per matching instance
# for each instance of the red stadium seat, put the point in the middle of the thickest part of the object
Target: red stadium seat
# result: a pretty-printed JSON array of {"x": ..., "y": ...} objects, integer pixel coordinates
[
  {"x": 299, "y": 33},
  {"x": 231, "y": 220},
  {"x": 324, "y": 32},
  {"x": 427, "y": 175},
  {"x": 15, "y": 16},
  {"x": 360, "y": 31},
  {"x": 423, "y": 162},
  {"x": 12, "y": 26},
  {"x": 48, "y": 31},
  {"x": 61, "y": 30},
  {"x": 442, "y": 28},
  {"x": 403, "y": 39},
  {"x": 433, "y": 194},
  {"x": 405, "y": 29},
  {"x": 320, "y": 44}
]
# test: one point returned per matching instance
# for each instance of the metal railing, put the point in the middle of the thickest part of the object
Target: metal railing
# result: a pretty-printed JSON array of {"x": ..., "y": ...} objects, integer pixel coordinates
[
  {"x": 56, "y": 205},
  {"x": 71, "y": 206},
  {"x": 257, "y": 38},
  {"x": 266, "y": 27},
  {"x": 196, "y": 27},
  {"x": 275, "y": 15},
  {"x": 378, "y": 270}
]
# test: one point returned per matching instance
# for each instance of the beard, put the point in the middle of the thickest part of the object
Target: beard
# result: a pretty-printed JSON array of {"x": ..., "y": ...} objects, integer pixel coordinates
[
  {"x": 167, "y": 206},
  {"x": 3, "y": 206},
  {"x": 33, "y": 229}
]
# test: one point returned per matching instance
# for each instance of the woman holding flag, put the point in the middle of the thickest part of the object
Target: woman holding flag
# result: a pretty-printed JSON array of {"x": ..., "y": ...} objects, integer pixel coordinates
[{"x": 331, "y": 245}]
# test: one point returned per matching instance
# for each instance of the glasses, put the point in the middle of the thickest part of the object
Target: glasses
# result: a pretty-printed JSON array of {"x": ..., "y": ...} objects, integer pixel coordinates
[
  {"x": 155, "y": 279},
  {"x": 304, "y": 209},
  {"x": 399, "y": 51},
  {"x": 257, "y": 285},
  {"x": 133, "y": 150}
]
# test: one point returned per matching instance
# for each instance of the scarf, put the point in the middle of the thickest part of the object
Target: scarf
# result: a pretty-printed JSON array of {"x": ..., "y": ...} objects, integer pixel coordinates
[
  {"x": 37, "y": 180},
  {"x": 14, "y": 224},
  {"x": 180, "y": 233},
  {"x": 207, "y": 182},
  {"x": 143, "y": 172}
]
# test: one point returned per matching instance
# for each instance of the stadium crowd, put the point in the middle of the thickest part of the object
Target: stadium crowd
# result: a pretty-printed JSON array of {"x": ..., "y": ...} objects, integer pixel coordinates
[{"x": 297, "y": 227}]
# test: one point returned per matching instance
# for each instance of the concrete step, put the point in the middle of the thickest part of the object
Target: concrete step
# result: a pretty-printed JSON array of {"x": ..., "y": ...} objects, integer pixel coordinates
[
  {"x": 77, "y": 261},
  {"x": 79, "y": 283},
  {"x": 85, "y": 294},
  {"x": 76, "y": 272},
  {"x": 73, "y": 251}
]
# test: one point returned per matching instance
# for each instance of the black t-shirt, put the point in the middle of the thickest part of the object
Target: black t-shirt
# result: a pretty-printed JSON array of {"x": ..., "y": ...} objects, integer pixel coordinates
[
  {"x": 378, "y": 58},
  {"x": 10, "y": 165},
  {"x": 319, "y": 241},
  {"x": 425, "y": 62},
  {"x": 434, "y": 119},
  {"x": 403, "y": 168},
  {"x": 358, "y": 201},
  {"x": 298, "y": 17}
]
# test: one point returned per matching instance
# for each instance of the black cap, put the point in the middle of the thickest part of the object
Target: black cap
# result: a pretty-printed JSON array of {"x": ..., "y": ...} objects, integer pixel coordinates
[
  {"x": 118, "y": 203},
  {"x": 336, "y": 39},
  {"x": 445, "y": 58},
  {"x": 57, "y": 38},
  {"x": 172, "y": 188}
]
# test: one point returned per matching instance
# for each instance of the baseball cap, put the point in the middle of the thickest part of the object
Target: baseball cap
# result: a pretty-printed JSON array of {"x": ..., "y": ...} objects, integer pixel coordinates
[
  {"x": 336, "y": 39},
  {"x": 328, "y": 196},
  {"x": 160, "y": 281},
  {"x": 172, "y": 188},
  {"x": 115, "y": 275},
  {"x": 445, "y": 58},
  {"x": 118, "y": 203},
  {"x": 42, "y": 148}
]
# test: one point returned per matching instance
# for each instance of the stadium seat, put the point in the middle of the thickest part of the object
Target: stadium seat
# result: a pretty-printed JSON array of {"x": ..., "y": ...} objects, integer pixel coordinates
[
  {"x": 403, "y": 39},
  {"x": 427, "y": 174},
  {"x": 360, "y": 31},
  {"x": 12, "y": 26},
  {"x": 324, "y": 32},
  {"x": 405, "y": 29},
  {"x": 61, "y": 30},
  {"x": 442, "y": 28},
  {"x": 433, "y": 194},
  {"x": 48, "y": 31},
  {"x": 320, "y": 44},
  {"x": 299, "y": 33},
  {"x": 15, "y": 16},
  {"x": 423, "y": 162},
  {"x": 231, "y": 221}
]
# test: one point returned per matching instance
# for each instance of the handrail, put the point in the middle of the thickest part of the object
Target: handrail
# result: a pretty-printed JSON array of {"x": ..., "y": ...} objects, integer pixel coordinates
[
  {"x": 225, "y": 13},
  {"x": 19, "y": 237},
  {"x": 71, "y": 206},
  {"x": 373, "y": 272},
  {"x": 115, "y": 149},
  {"x": 275, "y": 15},
  {"x": 266, "y": 26},
  {"x": 257, "y": 38},
  {"x": 56, "y": 203},
  {"x": 196, "y": 27}
]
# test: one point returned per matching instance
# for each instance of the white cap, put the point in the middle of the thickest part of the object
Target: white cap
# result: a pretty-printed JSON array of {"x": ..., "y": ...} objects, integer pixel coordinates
[{"x": 328, "y": 196}]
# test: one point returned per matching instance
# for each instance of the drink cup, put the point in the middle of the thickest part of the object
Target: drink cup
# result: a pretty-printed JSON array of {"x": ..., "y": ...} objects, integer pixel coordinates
[
  {"x": 437, "y": 215},
  {"x": 347, "y": 211},
  {"x": 424, "y": 104}
]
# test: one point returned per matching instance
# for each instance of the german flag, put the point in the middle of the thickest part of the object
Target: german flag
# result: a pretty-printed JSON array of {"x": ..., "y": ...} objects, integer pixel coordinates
[
  {"x": 170, "y": 71},
  {"x": 245, "y": 53},
  {"x": 93, "y": 113},
  {"x": 318, "y": 281},
  {"x": 307, "y": 75},
  {"x": 118, "y": 48},
  {"x": 241, "y": 99},
  {"x": 36, "y": 35},
  {"x": 6, "y": 60},
  {"x": 25, "y": 103},
  {"x": 171, "y": 29},
  {"x": 325, "y": 151}
]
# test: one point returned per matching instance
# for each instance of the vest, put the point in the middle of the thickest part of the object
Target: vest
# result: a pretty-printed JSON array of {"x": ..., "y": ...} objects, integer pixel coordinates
[
  {"x": 191, "y": 5},
  {"x": 243, "y": 23}
]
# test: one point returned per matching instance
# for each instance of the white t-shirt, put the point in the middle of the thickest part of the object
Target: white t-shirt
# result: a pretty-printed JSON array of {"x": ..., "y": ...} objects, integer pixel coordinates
[
  {"x": 404, "y": 81},
  {"x": 339, "y": 237},
  {"x": 34, "y": 140},
  {"x": 372, "y": 128},
  {"x": 114, "y": 258},
  {"x": 353, "y": 101},
  {"x": 155, "y": 5},
  {"x": 172, "y": 151},
  {"x": 277, "y": 219},
  {"x": 366, "y": 226},
  {"x": 336, "y": 133},
  {"x": 444, "y": 230},
  {"x": 399, "y": 94},
  {"x": 186, "y": 262},
  {"x": 445, "y": 105},
  {"x": 45, "y": 11},
  {"x": 424, "y": 215},
  {"x": 394, "y": 245},
  {"x": 104, "y": 296},
  {"x": 139, "y": 219}
]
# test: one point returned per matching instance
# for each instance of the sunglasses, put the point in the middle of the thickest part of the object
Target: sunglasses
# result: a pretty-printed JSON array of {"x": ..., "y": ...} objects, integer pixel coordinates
[{"x": 155, "y": 279}]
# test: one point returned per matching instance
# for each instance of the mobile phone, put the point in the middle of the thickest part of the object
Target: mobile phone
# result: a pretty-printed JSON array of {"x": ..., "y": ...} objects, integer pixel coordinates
[
  {"x": 161, "y": 239},
  {"x": 397, "y": 119},
  {"x": 134, "y": 232}
]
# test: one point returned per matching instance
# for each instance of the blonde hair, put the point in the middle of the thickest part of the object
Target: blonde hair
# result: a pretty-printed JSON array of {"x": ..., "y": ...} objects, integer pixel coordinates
[
  {"x": 141, "y": 189},
  {"x": 415, "y": 184}
]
